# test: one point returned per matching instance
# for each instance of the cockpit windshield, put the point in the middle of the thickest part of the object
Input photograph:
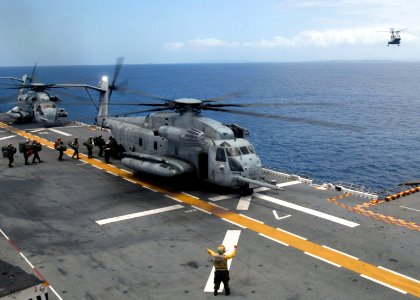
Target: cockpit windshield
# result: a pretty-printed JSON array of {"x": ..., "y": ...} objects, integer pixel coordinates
[
  {"x": 244, "y": 150},
  {"x": 233, "y": 152},
  {"x": 48, "y": 105}
]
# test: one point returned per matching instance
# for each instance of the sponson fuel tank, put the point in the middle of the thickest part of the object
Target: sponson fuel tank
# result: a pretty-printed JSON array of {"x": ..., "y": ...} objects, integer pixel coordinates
[{"x": 157, "y": 165}]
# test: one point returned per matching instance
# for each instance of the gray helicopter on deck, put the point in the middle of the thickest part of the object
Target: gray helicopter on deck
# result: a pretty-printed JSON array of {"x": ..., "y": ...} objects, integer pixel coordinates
[
  {"x": 34, "y": 102},
  {"x": 175, "y": 139}
]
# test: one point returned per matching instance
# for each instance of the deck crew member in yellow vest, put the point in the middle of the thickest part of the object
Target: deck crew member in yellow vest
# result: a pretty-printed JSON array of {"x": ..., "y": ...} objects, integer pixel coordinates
[{"x": 221, "y": 273}]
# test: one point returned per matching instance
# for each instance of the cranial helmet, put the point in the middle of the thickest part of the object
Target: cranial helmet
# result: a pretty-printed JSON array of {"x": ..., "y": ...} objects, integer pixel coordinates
[{"x": 221, "y": 249}]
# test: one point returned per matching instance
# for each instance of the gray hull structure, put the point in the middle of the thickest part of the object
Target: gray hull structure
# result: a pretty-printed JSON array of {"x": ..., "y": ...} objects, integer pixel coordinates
[{"x": 97, "y": 231}]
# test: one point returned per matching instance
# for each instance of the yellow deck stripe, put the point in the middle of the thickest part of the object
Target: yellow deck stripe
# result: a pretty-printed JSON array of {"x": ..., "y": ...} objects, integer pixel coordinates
[{"x": 400, "y": 282}]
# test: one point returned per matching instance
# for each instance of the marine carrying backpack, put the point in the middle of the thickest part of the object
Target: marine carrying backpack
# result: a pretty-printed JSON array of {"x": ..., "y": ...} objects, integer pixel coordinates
[{"x": 5, "y": 151}]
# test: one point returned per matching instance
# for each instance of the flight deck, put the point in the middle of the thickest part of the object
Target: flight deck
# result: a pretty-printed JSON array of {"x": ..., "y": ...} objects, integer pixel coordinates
[{"x": 98, "y": 231}]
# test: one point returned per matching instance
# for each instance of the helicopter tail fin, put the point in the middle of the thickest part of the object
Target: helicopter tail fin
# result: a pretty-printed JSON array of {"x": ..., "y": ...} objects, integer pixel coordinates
[{"x": 103, "y": 98}]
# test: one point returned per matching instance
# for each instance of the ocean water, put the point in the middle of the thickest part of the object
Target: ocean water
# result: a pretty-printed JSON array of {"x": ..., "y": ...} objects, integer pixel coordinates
[{"x": 381, "y": 100}]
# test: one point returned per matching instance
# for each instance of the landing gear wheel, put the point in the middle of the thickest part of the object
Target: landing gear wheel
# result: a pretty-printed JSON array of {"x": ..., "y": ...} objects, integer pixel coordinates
[{"x": 246, "y": 190}]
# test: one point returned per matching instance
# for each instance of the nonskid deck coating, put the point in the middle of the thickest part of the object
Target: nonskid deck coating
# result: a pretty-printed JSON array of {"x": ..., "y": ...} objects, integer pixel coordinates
[{"x": 315, "y": 250}]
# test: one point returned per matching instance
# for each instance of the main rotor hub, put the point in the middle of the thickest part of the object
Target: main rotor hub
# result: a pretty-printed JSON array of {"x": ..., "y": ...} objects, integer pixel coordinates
[
  {"x": 188, "y": 102},
  {"x": 188, "y": 105}
]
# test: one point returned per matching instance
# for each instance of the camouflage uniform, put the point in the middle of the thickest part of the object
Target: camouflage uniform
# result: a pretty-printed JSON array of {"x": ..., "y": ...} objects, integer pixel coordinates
[
  {"x": 11, "y": 150},
  {"x": 36, "y": 147}
]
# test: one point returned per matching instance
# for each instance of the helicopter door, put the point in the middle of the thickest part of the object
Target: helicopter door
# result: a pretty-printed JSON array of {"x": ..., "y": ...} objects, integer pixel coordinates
[{"x": 203, "y": 165}]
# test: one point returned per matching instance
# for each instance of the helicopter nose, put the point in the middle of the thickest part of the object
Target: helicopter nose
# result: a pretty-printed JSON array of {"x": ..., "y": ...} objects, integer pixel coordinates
[{"x": 49, "y": 115}]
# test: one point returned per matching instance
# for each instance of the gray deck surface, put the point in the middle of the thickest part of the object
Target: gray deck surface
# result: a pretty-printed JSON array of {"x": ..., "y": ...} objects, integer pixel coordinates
[{"x": 49, "y": 210}]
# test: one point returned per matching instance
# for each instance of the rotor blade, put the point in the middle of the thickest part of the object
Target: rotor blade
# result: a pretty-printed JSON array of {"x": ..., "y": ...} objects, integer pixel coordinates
[
  {"x": 205, "y": 106},
  {"x": 284, "y": 104},
  {"x": 220, "y": 98},
  {"x": 144, "y": 94},
  {"x": 32, "y": 77},
  {"x": 125, "y": 104},
  {"x": 117, "y": 70},
  {"x": 139, "y": 104},
  {"x": 72, "y": 96},
  {"x": 143, "y": 111},
  {"x": 291, "y": 119}
]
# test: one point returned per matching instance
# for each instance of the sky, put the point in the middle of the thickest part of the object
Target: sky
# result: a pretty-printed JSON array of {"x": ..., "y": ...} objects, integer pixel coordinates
[{"x": 93, "y": 32}]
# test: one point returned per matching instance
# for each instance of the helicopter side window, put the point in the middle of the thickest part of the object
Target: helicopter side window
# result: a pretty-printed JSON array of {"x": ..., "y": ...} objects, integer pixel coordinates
[
  {"x": 140, "y": 142},
  {"x": 220, "y": 154},
  {"x": 233, "y": 152},
  {"x": 155, "y": 145},
  {"x": 235, "y": 166},
  {"x": 244, "y": 150}
]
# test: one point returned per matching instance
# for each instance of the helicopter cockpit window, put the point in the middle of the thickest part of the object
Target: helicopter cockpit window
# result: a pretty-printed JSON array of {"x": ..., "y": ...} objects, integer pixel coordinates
[
  {"x": 48, "y": 106},
  {"x": 235, "y": 166},
  {"x": 251, "y": 149},
  {"x": 244, "y": 150},
  {"x": 220, "y": 154},
  {"x": 233, "y": 152}
]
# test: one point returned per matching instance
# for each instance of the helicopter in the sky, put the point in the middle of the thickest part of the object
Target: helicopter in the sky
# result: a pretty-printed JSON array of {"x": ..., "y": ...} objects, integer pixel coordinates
[
  {"x": 395, "y": 36},
  {"x": 34, "y": 102},
  {"x": 175, "y": 139}
]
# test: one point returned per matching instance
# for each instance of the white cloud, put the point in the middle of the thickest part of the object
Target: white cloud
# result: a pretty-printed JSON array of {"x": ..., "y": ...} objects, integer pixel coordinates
[
  {"x": 174, "y": 46},
  {"x": 310, "y": 38}
]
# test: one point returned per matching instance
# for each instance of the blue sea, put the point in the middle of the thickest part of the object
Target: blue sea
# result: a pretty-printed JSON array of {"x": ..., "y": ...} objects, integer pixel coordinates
[{"x": 381, "y": 100}]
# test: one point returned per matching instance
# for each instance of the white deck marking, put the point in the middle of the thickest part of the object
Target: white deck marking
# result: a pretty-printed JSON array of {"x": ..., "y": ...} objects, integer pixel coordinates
[
  {"x": 244, "y": 203},
  {"x": 204, "y": 211},
  {"x": 112, "y": 173},
  {"x": 323, "y": 259},
  {"x": 132, "y": 181},
  {"x": 29, "y": 263},
  {"x": 223, "y": 197},
  {"x": 288, "y": 183},
  {"x": 267, "y": 237},
  {"x": 332, "y": 249},
  {"x": 7, "y": 137},
  {"x": 52, "y": 289},
  {"x": 139, "y": 214},
  {"x": 97, "y": 167},
  {"x": 37, "y": 130},
  {"x": 261, "y": 222},
  {"x": 384, "y": 284},
  {"x": 236, "y": 224},
  {"x": 149, "y": 188},
  {"x": 307, "y": 210},
  {"x": 126, "y": 171},
  {"x": 190, "y": 195},
  {"x": 399, "y": 274},
  {"x": 218, "y": 206},
  {"x": 410, "y": 208},
  {"x": 2, "y": 232},
  {"x": 231, "y": 239},
  {"x": 279, "y": 218},
  {"x": 173, "y": 198},
  {"x": 298, "y": 236},
  {"x": 60, "y": 132}
]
